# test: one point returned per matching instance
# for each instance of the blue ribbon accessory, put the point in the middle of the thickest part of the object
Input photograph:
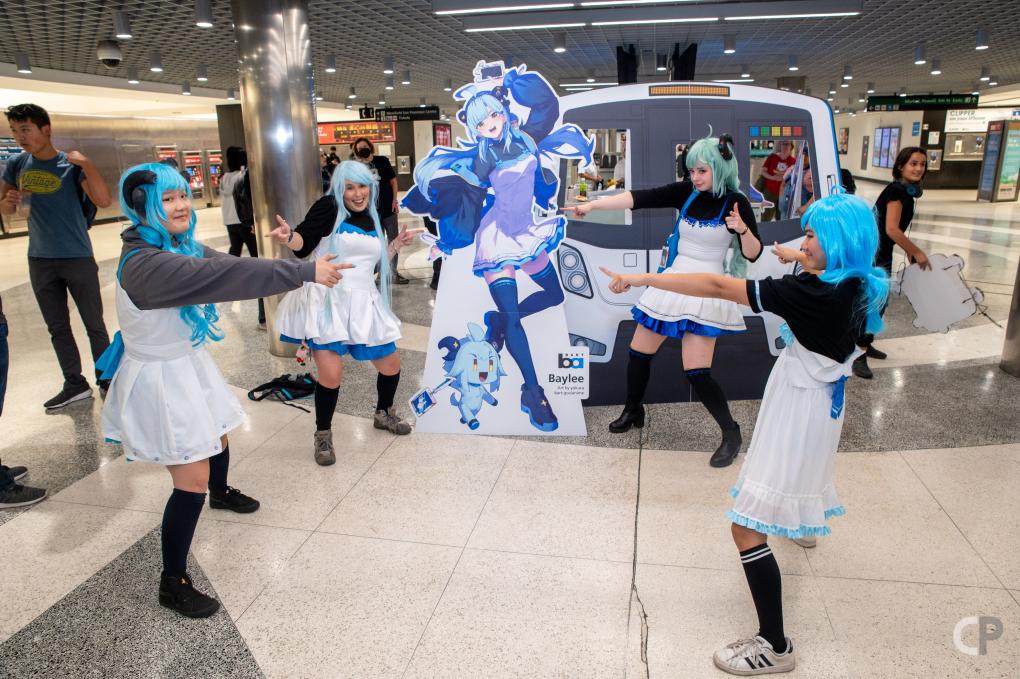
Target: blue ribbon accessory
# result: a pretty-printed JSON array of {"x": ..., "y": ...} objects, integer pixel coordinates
[
  {"x": 838, "y": 395},
  {"x": 110, "y": 360}
]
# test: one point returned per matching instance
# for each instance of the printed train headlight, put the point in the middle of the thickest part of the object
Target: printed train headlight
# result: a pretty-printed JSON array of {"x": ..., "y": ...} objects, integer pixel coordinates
[
  {"x": 573, "y": 273},
  {"x": 595, "y": 348}
]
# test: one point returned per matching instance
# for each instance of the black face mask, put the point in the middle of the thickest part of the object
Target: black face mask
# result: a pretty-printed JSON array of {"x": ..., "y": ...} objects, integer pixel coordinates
[{"x": 363, "y": 152}]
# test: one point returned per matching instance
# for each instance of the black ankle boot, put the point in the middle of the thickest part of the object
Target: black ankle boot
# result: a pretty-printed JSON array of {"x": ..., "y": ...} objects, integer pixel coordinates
[
  {"x": 178, "y": 594},
  {"x": 861, "y": 369},
  {"x": 632, "y": 416},
  {"x": 727, "y": 451}
]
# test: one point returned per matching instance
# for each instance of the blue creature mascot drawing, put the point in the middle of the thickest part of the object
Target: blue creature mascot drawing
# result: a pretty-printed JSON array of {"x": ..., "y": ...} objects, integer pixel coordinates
[
  {"x": 473, "y": 365},
  {"x": 493, "y": 192}
]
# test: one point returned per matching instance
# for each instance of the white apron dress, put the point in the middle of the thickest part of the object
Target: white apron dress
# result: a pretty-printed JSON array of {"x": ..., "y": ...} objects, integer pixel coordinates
[
  {"x": 695, "y": 246},
  {"x": 785, "y": 485},
  {"x": 168, "y": 402},
  {"x": 352, "y": 313}
]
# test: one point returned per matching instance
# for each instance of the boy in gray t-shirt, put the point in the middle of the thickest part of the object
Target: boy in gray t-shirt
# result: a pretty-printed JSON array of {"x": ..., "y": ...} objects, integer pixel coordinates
[{"x": 59, "y": 249}]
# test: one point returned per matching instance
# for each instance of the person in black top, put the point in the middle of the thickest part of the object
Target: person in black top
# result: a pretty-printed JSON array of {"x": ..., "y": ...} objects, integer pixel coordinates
[
  {"x": 364, "y": 150},
  {"x": 894, "y": 211},
  {"x": 711, "y": 210},
  {"x": 354, "y": 319},
  {"x": 785, "y": 487}
]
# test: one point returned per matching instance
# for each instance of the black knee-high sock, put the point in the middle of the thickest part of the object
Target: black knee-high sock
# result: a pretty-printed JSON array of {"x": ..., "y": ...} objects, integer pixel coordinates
[
  {"x": 504, "y": 294},
  {"x": 179, "y": 520},
  {"x": 550, "y": 295},
  {"x": 325, "y": 405},
  {"x": 218, "y": 467},
  {"x": 386, "y": 388},
  {"x": 766, "y": 585},
  {"x": 711, "y": 395},
  {"x": 639, "y": 371}
]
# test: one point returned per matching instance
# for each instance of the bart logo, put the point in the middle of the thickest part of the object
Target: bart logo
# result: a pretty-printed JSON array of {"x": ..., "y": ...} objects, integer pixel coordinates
[{"x": 572, "y": 361}]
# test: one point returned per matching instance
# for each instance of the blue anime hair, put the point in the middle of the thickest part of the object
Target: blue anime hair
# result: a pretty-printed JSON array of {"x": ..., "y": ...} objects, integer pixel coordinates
[
  {"x": 724, "y": 172},
  {"x": 201, "y": 319},
  {"x": 357, "y": 172},
  {"x": 847, "y": 233},
  {"x": 478, "y": 108}
]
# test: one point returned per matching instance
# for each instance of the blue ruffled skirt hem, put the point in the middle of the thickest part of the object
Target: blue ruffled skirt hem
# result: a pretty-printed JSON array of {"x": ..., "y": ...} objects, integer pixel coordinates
[
  {"x": 359, "y": 352},
  {"x": 678, "y": 328}
]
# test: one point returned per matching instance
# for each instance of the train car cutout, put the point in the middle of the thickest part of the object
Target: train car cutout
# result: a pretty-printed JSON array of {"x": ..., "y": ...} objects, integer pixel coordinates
[{"x": 642, "y": 126}]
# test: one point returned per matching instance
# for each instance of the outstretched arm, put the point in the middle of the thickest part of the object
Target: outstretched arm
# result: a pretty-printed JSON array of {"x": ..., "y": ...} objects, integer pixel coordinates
[
  {"x": 694, "y": 284},
  {"x": 529, "y": 89}
]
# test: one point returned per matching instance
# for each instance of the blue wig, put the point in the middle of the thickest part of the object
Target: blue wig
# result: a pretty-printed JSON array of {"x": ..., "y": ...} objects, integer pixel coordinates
[
  {"x": 847, "y": 233},
  {"x": 478, "y": 108},
  {"x": 357, "y": 172},
  {"x": 151, "y": 227}
]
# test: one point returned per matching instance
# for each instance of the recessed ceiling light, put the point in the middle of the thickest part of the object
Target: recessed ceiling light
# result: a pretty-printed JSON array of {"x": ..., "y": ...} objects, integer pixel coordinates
[
  {"x": 529, "y": 27},
  {"x": 812, "y": 15},
  {"x": 919, "y": 59},
  {"x": 505, "y": 8},
  {"x": 981, "y": 40},
  {"x": 24, "y": 66}
]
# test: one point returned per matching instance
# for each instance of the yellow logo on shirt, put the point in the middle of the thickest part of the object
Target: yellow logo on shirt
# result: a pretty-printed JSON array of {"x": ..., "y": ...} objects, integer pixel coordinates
[{"x": 39, "y": 181}]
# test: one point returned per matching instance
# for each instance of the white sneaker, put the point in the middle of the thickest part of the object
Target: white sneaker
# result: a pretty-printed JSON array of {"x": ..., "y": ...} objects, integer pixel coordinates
[
  {"x": 808, "y": 541},
  {"x": 749, "y": 657}
]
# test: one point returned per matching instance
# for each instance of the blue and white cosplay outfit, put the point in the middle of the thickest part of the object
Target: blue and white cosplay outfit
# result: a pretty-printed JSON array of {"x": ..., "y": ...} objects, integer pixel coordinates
[
  {"x": 351, "y": 317},
  {"x": 785, "y": 486},
  {"x": 696, "y": 245}
]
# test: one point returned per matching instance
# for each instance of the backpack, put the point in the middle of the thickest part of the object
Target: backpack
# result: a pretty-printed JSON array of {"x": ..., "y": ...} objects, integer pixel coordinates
[
  {"x": 88, "y": 208},
  {"x": 285, "y": 388},
  {"x": 242, "y": 200}
]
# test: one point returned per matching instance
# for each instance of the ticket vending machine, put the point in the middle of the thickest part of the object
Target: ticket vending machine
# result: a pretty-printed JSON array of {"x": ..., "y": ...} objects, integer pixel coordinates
[
  {"x": 194, "y": 172},
  {"x": 214, "y": 161},
  {"x": 167, "y": 152}
]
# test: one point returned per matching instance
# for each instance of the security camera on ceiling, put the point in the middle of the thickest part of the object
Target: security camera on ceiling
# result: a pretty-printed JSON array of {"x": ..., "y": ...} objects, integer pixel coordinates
[{"x": 108, "y": 52}]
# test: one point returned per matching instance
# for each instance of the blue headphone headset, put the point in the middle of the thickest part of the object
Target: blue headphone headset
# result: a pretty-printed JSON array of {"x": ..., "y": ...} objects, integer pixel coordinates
[{"x": 913, "y": 190}]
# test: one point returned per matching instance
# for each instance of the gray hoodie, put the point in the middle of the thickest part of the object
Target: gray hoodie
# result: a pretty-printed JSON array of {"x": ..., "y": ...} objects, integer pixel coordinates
[{"x": 157, "y": 279}]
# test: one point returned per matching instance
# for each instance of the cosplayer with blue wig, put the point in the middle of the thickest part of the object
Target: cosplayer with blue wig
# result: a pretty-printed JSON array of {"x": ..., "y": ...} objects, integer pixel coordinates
[
  {"x": 494, "y": 193},
  {"x": 785, "y": 486},
  {"x": 711, "y": 213},
  {"x": 168, "y": 403},
  {"x": 354, "y": 318}
]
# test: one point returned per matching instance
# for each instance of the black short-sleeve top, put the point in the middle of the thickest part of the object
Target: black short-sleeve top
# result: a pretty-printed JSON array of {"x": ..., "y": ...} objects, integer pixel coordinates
[
  {"x": 825, "y": 318},
  {"x": 705, "y": 206}
]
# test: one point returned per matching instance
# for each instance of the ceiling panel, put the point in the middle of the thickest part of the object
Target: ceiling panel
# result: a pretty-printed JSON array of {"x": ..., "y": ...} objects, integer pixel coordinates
[{"x": 879, "y": 44}]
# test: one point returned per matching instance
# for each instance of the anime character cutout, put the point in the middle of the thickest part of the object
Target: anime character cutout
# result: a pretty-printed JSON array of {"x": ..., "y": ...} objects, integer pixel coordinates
[
  {"x": 493, "y": 192},
  {"x": 474, "y": 368}
]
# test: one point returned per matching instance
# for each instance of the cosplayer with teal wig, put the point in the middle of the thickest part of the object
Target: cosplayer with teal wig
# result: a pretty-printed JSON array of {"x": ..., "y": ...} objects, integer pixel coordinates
[
  {"x": 168, "y": 403},
  {"x": 706, "y": 151},
  {"x": 150, "y": 218},
  {"x": 494, "y": 193},
  {"x": 713, "y": 215},
  {"x": 354, "y": 319},
  {"x": 785, "y": 487}
]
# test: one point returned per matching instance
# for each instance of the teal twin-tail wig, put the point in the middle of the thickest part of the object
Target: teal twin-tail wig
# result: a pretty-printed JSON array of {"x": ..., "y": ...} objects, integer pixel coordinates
[
  {"x": 724, "y": 172},
  {"x": 357, "y": 172},
  {"x": 201, "y": 319},
  {"x": 847, "y": 233}
]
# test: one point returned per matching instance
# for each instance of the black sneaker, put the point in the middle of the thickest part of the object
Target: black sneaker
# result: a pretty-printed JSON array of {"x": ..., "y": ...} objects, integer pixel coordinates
[
  {"x": 536, "y": 406},
  {"x": 861, "y": 368},
  {"x": 17, "y": 473},
  {"x": 876, "y": 354},
  {"x": 178, "y": 594},
  {"x": 232, "y": 499},
  {"x": 399, "y": 280},
  {"x": 20, "y": 496},
  {"x": 67, "y": 396},
  {"x": 727, "y": 451}
]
